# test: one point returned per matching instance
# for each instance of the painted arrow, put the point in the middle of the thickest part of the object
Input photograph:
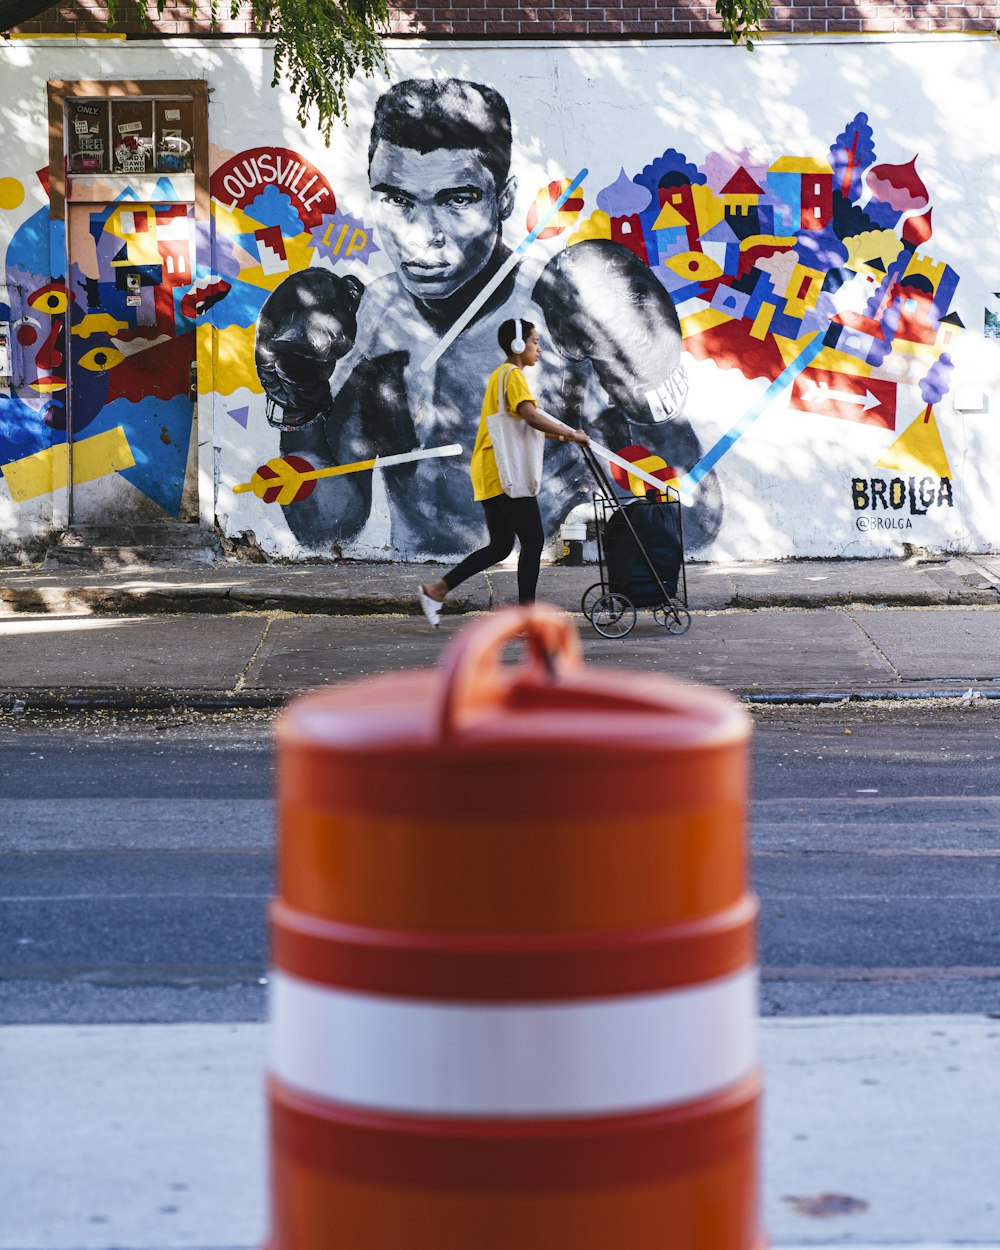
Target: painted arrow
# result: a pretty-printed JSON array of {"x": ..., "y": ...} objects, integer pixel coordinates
[
  {"x": 632, "y": 469},
  {"x": 290, "y": 479},
  {"x": 821, "y": 393}
]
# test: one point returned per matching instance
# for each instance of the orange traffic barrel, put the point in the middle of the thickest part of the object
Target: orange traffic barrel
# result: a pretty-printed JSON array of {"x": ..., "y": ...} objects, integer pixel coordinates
[{"x": 513, "y": 958}]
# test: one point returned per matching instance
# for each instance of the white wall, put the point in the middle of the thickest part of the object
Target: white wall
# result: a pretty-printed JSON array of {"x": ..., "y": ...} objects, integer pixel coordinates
[{"x": 781, "y": 479}]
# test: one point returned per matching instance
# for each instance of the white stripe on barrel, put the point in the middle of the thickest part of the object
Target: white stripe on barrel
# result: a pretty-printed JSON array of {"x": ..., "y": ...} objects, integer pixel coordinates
[{"x": 600, "y": 1056}]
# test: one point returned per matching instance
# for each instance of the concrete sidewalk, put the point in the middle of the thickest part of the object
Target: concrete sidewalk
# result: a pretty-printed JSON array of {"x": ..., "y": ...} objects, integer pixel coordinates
[
  {"x": 240, "y": 635},
  {"x": 876, "y": 1131}
]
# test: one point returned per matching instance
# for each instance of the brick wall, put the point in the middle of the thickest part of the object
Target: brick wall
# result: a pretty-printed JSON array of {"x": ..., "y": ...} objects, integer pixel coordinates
[{"x": 581, "y": 18}]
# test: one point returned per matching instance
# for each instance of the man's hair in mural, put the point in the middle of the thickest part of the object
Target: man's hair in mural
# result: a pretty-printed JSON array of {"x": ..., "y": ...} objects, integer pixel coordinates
[
  {"x": 427, "y": 114},
  {"x": 508, "y": 333}
]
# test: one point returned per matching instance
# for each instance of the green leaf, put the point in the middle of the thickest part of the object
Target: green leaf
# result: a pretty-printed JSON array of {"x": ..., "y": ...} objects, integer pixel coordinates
[
  {"x": 741, "y": 19},
  {"x": 320, "y": 46}
]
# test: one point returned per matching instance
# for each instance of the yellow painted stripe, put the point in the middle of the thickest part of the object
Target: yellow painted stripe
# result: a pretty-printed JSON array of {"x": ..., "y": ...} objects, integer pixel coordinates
[
  {"x": 761, "y": 322},
  {"x": 699, "y": 322},
  {"x": 47, "y": 470}
]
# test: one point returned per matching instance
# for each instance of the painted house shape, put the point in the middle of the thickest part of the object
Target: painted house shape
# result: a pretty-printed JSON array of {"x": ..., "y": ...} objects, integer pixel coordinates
[
  {"x": 856, "y": 335},
  {"x": 741, "y": 195},
  {"x": 730, "y": 300},
  {"x": 805, "y": 186},
  {"x": 669, "y": 230},
  {"x": 918, "y": 321},
  {"x": 173, "y": 242},
  {"x": 679, "y": 199},
  {"x": 948, "y": 328},
  {"x": 628, "y": 232},
  {"x": 624, "y": 202},
  {"x": 722, "y": 243}
]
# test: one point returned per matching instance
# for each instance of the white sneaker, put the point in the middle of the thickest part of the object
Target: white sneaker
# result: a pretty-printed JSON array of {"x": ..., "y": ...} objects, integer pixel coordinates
[{"x": 431, "y": 607}]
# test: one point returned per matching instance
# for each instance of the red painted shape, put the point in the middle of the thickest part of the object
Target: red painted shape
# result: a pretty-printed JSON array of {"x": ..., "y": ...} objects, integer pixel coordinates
[
  {"x": 160, "y": 371},
  {"x": 844, "y": 395},
  {"x": 203, "y": 295},
  {"x": 741, "y": 184},
  {"x": 239, "y": 181},
  {"x": 572, "y": 206},
  {"x": 845, "y": 188},
  {"x": 730, "y": 346},
  {"x": 759, "y": 251},
  {"x": 634, "y": 453},
  {"x": 900, "y": 186},
  {"x": 916, "y": 315},
  {"x": 631, "y": 237},
  {"x": 301, "y": 465},
  {"x": 917, "y": 230}
]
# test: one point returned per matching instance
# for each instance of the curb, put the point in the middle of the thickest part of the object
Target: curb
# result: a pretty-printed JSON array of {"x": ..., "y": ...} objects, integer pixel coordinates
[
  {"x": 209, "y": 602},
  {"x": 101, "y": 602},
  {"x": 128, "y": 700},
  {"x": 141, "y": 700}
]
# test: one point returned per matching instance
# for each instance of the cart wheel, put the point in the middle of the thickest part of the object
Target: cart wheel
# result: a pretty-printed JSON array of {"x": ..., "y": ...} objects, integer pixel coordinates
[
  {"x": 613, "y": 616},
  {"x": 590, "y": 597},
  {"x": 674, "y": 619}
]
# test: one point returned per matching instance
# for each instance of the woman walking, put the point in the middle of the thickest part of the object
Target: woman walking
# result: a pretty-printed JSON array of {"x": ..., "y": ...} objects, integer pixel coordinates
[{"x": 506, "y": 470}]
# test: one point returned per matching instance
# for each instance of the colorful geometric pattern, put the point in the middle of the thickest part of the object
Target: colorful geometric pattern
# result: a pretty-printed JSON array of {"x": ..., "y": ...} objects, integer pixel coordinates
[{"x": 804, "y": 272}]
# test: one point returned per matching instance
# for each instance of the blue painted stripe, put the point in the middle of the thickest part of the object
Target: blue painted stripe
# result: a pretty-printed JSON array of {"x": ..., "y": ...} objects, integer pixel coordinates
[
  {"x": 574, "y": 185},
  {"x": 784, "y": 380}
]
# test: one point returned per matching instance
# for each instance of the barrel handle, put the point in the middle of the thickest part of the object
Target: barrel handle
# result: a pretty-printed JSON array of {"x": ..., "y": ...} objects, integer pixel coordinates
[{"x": 472, "y": 675}]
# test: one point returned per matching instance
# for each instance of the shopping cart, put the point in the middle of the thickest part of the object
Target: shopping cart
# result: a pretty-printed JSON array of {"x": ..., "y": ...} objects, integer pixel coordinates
[{"x": 640, "y": 554}]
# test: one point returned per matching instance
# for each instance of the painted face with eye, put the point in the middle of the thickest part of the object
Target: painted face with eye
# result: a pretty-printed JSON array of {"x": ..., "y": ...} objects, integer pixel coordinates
[
  {"x": 438, "y": 215},
  {"x": 39, "y": 329}
]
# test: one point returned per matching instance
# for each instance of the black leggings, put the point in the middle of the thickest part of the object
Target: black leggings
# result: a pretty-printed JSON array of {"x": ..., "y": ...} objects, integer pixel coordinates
[{"x": 507, "y": 519}]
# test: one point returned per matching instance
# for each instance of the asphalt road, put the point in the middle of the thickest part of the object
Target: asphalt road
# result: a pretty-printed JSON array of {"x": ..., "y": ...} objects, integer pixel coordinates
[{"x": 136, "y": 863}]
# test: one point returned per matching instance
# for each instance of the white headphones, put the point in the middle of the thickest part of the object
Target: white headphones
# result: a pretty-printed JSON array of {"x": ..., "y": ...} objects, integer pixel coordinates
[{"x": 517, "y": 344}]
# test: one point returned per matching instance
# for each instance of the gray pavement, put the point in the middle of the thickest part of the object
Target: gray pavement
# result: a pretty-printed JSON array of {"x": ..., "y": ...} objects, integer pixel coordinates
[
  {"x": 876, "y": 1131},
  {"x": 238, "y": 634}
]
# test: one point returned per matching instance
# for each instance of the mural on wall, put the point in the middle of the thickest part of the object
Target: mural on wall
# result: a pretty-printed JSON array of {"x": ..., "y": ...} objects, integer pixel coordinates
[
  {"x": 348, "y": 324},
  {"x": 397, "y": 363},
  {"x": 991, "y": 316},
  {"x": 125, "y": 318},
  {"x": 803, "y": 274}
]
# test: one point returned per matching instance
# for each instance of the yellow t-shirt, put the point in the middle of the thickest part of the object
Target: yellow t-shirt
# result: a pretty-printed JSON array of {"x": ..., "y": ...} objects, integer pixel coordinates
[{"x": 485, "y": 479}]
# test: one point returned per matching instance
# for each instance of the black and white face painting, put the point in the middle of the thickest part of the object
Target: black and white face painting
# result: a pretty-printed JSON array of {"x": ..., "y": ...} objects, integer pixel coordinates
[{"x": 438, "y": 215}]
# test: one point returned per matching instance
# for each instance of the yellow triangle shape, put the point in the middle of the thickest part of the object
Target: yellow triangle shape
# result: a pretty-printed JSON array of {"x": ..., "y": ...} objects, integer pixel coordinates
[
  {"x": 918, "y": 449},
  {"x": 669, "y": 218}
]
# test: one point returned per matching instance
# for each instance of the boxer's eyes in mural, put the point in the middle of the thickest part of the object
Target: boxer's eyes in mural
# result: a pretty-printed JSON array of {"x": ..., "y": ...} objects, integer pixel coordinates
[
  {"x": 51, "y": 299},
  {"x": 98, "y": 359},
  {"x": 396, "y": 199},
  {"x": 453, "y": 197},
  {"x": 462, "y": 198}
]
